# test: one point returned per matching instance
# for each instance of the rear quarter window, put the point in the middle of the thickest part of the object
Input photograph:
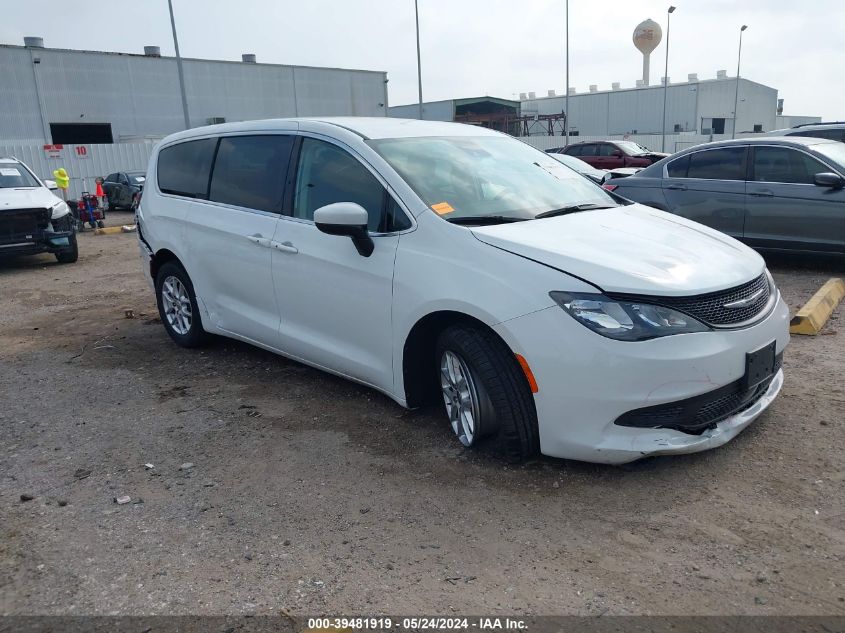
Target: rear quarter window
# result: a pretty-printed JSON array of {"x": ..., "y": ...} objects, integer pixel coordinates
[{"x": 183, "y": 169}]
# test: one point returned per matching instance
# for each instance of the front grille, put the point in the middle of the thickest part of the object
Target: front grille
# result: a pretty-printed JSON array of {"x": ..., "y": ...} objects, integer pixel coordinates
[
  {"x": 22, "y": 225},
  {"x": 698, "y": 413},
  {"x": 710, "y": 308}
]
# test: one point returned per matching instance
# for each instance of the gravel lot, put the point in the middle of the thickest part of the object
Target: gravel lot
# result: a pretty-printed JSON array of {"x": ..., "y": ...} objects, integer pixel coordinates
[{"x": 315, "y": 495}]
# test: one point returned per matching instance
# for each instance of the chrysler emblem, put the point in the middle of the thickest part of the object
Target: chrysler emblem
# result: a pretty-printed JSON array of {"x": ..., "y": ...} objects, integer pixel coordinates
[{"x": 742, "y": 303}]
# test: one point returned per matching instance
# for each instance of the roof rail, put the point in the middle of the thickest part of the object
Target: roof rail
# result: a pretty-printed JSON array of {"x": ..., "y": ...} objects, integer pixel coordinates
[{"x": 820, "y": 123}]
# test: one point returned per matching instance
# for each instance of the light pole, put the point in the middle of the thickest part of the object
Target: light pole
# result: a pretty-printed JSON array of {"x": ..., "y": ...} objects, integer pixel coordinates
[
  {"x": 179, "y": 67},
  {"x": 566, "y": 97},
  {"x": 666, "y": 77},
  {"x": 736, "y": 94},
  {"x": 419, "y": 65}
]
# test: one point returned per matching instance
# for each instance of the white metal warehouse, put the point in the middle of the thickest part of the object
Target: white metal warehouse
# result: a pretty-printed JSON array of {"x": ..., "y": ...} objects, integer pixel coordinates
[
  {"x": 702, "y": 106},
  {"x": 72, "y": 96}
]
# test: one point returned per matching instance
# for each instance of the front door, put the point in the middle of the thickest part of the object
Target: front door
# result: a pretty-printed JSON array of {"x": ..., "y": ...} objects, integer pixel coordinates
[
  {"x": 335, "y": 303},
  {"x": 785, "y": 209},
  {"x": 709, "y": 187}
]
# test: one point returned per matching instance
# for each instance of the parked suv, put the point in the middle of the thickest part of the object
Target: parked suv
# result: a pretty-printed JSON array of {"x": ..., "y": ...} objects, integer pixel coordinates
[
  {"x": 613, "y": 154},
  {"x": 834, "y": 131},
  {"x": 32, "y": 218},
  {"x": 123, "y": 189},
  {"x": 440, "y": 261}
]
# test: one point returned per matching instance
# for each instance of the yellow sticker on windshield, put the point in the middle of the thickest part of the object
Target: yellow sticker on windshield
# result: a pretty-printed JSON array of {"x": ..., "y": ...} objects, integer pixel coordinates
[{"x": 442, "y": 208}]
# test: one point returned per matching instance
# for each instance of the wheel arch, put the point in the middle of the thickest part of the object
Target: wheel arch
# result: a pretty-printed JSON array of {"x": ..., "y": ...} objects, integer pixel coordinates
[
  {"x": 418, "y": 359},
  {"x": 161, "y": 257}
]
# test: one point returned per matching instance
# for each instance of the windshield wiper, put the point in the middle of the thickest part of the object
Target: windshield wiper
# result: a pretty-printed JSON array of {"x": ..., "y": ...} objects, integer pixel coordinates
[
  {"x": 484, "y": 219},
  {"x": 575, "y": 208}
]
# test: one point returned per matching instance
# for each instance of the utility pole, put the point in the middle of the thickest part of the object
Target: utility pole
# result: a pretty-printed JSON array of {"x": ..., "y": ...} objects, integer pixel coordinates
[
  {"x": 179, "y": 67},
  {"x": 736, "y": 94},
  {"x": 419, "y": 64},
  {"x": 666, "y": 78},
  {"x": 566, "y": 97}
]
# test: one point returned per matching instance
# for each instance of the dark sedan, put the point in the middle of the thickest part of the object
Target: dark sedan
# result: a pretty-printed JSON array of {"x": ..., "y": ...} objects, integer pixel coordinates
[
  {"x": 771, "y": 193},
  {"x": 123, "y": 189}
]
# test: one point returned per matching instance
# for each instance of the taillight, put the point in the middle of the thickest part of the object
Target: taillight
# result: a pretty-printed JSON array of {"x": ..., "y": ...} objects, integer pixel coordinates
[{"x": 610, "y": 187}]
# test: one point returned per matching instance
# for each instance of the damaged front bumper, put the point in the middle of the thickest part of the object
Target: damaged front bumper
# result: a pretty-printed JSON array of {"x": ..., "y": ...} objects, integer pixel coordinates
[{"x": 31, "y": 231}]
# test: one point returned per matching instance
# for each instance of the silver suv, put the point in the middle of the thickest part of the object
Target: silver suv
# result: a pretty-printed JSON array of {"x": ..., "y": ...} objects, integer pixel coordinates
[{"x": 32, "y": 218}]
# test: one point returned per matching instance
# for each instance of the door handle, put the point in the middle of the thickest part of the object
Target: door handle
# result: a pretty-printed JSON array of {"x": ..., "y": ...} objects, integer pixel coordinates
[
  {"x": 762, "y": 193},
  {"x": 677, "y": 187},
  {"x": 258, "y": 239},
  {"x": 285, "y": 247}
]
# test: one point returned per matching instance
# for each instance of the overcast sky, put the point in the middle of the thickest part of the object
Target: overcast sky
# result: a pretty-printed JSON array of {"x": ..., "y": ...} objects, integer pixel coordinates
[{"x": 475, "y": 47}]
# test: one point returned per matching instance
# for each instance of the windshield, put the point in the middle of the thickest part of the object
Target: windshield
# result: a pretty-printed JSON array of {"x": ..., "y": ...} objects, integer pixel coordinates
[
  {"x": 481, "y": 176},
  {"x": 631, "y": 148},
  {"x": 834, "y": 151},
  {"x": 15, "y": 175}
]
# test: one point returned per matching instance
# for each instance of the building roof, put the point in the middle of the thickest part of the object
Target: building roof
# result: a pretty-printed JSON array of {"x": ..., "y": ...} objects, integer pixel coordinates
[{"x": 184, "y": 59}]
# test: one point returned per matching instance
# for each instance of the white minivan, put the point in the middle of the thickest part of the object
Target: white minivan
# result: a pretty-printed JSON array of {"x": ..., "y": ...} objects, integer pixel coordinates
[{"x": 445, "y": 262}]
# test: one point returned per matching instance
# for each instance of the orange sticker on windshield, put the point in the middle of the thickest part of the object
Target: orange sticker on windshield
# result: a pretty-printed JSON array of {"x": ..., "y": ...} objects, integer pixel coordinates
[{"x": 442, "y": 208}]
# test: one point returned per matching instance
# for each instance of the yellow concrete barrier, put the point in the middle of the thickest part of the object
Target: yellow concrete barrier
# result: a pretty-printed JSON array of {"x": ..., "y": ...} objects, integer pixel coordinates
[
  {"x": 110, "y": 230},
  {"x": 815, "y": 313}
]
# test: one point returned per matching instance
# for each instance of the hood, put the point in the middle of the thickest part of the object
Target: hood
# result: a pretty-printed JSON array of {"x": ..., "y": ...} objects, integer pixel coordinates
[
  {"x": 27, "y": 198},
  {"x": 632, "y": 249},
  {"x": 652, "y": 155}
]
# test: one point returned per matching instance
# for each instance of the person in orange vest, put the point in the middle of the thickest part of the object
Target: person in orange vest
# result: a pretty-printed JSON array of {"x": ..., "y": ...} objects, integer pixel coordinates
[{"x": 101, "y": 195}]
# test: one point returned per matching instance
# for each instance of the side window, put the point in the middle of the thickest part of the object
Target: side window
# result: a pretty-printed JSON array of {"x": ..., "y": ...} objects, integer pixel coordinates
[
  {"x": 606, "y": 149},
  {"x": 678, "y": 168},
  {"x": 183, "y": 169},
  {"x": 589, "y": 150},
  {"x": 726, "y": 163},
  {"x": 780, "y": 164},
  {"x": 327, "y": 174},
  {"x": 250, "y": 171},
  {"x": 575, "y": 150},
  {"x": 111, "y": 178}
]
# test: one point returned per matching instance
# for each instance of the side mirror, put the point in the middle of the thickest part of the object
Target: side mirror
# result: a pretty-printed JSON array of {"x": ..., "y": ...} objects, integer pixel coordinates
[
  {"x": 349, "y": 219},
  {"x": 51, "y": 185},
  {"x": 829, "y": 179}
]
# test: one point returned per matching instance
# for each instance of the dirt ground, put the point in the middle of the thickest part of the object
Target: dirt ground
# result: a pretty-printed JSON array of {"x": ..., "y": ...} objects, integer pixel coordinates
[{"x": 312, "y": 494}]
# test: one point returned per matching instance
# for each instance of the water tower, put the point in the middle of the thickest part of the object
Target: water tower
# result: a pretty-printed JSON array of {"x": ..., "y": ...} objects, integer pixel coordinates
[{"x": 647, "y": 36}]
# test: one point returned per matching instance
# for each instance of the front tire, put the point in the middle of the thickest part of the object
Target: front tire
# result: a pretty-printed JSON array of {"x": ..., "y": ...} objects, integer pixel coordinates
[
  {"x": 486, "y": 394},
  {"x": 177, "y": 306},
  {"x": 70, "y": 255}
]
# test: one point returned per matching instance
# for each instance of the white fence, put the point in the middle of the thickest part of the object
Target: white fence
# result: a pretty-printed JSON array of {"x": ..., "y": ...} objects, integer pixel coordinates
[
  {"x": 83, "y": 163},
  {"x": 654, "y": 142}
]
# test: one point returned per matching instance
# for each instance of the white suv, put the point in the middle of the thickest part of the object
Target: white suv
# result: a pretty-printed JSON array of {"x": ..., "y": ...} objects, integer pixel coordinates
[
  {"x": 32, "y": 218},
  {"x": 437, "y": 260}
]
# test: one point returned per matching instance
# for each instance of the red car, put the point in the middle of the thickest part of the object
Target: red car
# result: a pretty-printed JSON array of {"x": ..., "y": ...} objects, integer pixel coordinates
[{"x": 613, "y": 154}]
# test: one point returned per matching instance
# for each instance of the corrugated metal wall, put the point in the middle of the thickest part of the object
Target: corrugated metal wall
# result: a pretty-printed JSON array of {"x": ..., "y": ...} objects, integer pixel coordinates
[
  {"x": 101, "y": 160},
  {"x": 139, "y": 96},
  {"x": 432, "y": 111}
]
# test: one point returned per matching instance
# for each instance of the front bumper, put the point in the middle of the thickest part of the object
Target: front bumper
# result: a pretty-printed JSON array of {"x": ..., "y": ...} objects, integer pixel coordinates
[
  {"x": 586, "y": 382},
  {"x": 30, "y": 231}
]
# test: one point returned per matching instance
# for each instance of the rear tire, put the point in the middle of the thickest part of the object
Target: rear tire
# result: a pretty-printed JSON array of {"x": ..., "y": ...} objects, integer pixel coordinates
[
  {"x": 494, "y": 391},
  {"x": 177, "y": 306},
  {"x": 72, "y": 254}
]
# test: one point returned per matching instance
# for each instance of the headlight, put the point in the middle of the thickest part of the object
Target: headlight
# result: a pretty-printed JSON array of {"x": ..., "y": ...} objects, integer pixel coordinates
[
  {"x": 59, "y": 210},
  {"x": 625, "y": 321}
]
